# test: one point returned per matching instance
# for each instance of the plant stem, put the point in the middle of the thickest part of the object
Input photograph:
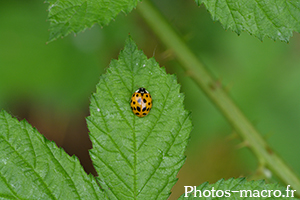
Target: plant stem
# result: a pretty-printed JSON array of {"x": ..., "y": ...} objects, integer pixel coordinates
[{"x": 216, "y": 94}]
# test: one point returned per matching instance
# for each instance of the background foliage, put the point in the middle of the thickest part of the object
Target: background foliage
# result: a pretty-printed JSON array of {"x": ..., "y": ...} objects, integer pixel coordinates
[{"x": 50, "y": 85}]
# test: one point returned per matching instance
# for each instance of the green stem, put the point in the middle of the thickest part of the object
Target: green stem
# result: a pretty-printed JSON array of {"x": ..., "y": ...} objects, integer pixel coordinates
[{"x": 216, "y": 93}]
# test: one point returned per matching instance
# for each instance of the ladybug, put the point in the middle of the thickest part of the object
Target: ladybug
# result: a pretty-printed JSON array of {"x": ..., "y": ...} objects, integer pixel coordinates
[{"x": 141, "y": 102}]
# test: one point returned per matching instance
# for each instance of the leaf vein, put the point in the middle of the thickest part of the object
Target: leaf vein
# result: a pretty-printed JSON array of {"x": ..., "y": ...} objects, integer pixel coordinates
[
  {"x": 117, "y": 106},
  {"x": 113, "y": 141},
  {"x": 10, "y": 188},
  {"x": 181, "y": 125},
  {"x": 231, "y": 14},
  {"x": 286, "y": 2},
  {"x": 161, "y": 111},
  {"x": 69, "y": 179},
  {"x": 118, "y": 73},
  {"x": 102, "y": 145},
  {"x": 267, "y": 16},
  {"x": 116, "y": 174},
  {"x": 167, "y": 182}
]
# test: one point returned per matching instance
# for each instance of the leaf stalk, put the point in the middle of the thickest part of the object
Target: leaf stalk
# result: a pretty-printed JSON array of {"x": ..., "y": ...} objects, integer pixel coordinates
[{"x": 166, "y": 33}]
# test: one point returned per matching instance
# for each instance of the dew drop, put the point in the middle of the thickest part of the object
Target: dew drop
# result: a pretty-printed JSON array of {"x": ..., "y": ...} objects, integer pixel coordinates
[
  {"x": 51, "y": 6},
  {"x": 4, "y": 161}
]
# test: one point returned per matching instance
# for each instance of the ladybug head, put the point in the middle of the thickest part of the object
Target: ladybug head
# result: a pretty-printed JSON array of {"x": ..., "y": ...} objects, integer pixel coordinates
[{"x": 142, "y": 90}]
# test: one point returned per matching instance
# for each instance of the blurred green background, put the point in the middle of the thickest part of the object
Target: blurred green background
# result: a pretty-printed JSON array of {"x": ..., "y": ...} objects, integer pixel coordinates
[{"x": 50, "y": 85}]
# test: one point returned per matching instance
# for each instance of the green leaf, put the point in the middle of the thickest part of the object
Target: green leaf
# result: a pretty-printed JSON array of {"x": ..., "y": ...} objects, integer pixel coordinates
[
  {"x": 276, "y": 19},
  {"x": 137, "y": 158},
  {"x": 31, "y": 167},
  {"x": 238, "y": 188},
  {"x": 67, "y": 16}
]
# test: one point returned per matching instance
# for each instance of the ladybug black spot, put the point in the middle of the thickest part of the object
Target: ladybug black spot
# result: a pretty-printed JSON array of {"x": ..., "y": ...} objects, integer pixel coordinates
[
  {"x": 145, "y": 101},
  {"x": 144, "y": 109},
  {"x": 134, "y": 108},
  {"x": 147, "y": 95},
  {"x": 134, "y": 102},
  {"x": 147, "y": 109},
  {"x": 131, "y": 101},
  {"x": 137, "y": 95},
  {"x": 144, "y": 113},
  {"x": 133, "y": 95},
  {"x": 138, "y": 108},
  {"x": 131, "y": 108},
  {"x": 137, "y": 113},
  {"x": 149, "y": 103}
]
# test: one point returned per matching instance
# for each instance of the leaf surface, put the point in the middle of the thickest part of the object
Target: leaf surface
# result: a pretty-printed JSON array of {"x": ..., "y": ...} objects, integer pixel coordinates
[
  {"x": 31, "y": 167},
  {"x": 276, "y": 19},
  {"x": 137, "y": 158},
  {"x": 73, "y": 16}
]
